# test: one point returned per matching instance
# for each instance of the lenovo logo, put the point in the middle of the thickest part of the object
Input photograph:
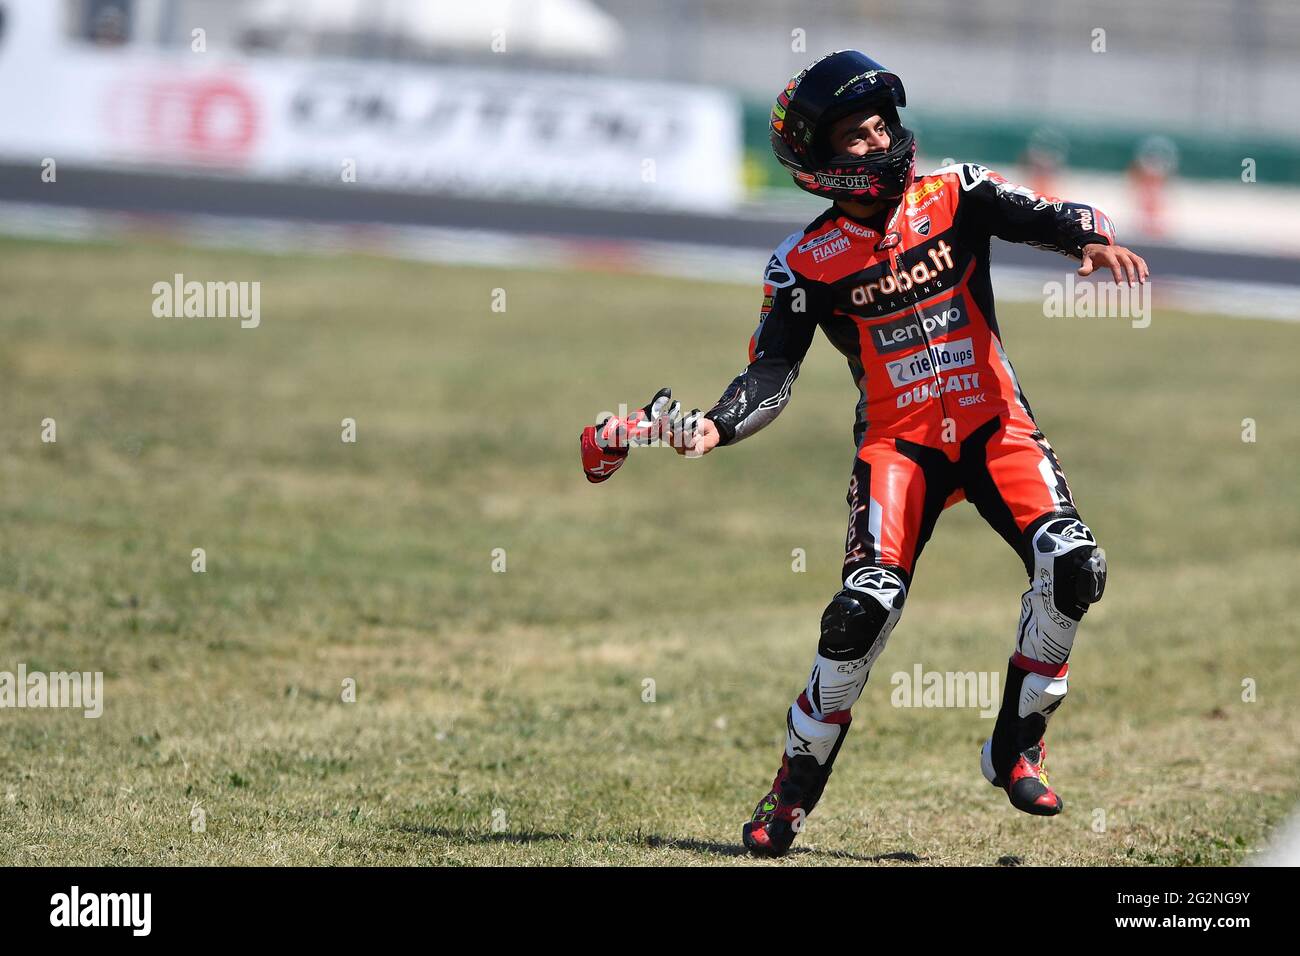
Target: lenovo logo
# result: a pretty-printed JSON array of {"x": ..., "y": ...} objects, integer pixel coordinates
[{"x": 911, "y": 330}]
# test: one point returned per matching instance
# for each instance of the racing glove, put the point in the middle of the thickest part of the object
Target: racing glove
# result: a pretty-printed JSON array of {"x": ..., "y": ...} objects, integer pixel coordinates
[{"x": 606, "y": 444}]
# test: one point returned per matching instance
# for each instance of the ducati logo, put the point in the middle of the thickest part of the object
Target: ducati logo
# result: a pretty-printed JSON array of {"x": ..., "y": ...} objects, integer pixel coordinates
[{"x": 922, "y": 225}]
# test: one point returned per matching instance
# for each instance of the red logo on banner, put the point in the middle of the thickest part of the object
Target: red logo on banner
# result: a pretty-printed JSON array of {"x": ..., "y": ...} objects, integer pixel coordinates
[{"x": 204, "y": 119}]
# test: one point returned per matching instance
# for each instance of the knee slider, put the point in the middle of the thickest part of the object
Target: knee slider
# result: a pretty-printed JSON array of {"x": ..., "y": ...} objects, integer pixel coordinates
[
  {"x": 858, "y": 619},
  {"x": 1068, "y": 566},
  {"x": 848, "y": 627},
  {"x": 1089, "y": 574},
  {"x": 855, "y": 626}
]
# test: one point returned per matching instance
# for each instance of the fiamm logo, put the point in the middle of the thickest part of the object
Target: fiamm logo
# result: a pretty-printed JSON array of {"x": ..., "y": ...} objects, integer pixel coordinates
[{"x": 824, "y": 252}]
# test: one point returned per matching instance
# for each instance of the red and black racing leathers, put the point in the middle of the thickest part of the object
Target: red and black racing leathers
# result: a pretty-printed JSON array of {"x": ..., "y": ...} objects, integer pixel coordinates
[{"x": 909, "y": 303}]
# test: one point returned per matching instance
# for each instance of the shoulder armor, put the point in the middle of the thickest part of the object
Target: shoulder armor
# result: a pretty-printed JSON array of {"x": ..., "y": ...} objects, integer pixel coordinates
[{"x": 778, "y": 273}]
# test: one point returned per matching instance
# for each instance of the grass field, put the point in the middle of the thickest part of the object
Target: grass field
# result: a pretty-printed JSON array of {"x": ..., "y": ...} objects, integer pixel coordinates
[{"x": 499, "y": 716}]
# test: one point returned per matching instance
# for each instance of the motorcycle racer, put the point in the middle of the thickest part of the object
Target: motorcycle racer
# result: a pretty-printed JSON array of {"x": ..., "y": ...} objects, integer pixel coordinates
[{"x": 896, "y": 274}]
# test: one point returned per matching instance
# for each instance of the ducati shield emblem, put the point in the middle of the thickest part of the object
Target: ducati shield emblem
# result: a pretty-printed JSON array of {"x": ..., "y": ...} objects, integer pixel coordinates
[{"x": 922, "y": 225}]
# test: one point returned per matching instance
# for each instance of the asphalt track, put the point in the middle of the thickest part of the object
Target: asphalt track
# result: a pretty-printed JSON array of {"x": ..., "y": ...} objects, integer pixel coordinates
[{"x": 162, "y": 194}]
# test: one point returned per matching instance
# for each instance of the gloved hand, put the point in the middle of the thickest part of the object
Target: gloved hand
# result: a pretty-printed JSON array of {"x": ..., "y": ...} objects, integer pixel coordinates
[{"x": 605, "y": 445}]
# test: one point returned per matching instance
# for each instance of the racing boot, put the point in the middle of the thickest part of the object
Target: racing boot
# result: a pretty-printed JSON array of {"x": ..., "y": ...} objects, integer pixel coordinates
[
  {"x": 1026, "y": 782},
  {"x": 781, "y": 813},
  {"x": 1015, "y": 756},
  {"x": 798, "y": 785}
]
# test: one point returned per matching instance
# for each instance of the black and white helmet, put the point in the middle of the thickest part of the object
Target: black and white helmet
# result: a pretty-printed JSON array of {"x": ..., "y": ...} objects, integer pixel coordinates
[{"x": 838, "y": 84}]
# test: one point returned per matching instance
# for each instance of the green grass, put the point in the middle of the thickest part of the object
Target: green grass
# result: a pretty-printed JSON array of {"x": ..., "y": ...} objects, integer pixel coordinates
[{"x": 517, "y": 696}]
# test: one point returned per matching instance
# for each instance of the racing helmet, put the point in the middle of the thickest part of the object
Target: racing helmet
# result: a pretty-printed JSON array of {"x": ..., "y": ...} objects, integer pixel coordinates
[{"x": 834, "y": 86}]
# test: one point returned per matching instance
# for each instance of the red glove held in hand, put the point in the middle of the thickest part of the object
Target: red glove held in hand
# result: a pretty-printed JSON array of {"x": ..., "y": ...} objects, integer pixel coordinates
[
  {"x": 605, "y": 445},
  {"x": 599, "y": 463}
]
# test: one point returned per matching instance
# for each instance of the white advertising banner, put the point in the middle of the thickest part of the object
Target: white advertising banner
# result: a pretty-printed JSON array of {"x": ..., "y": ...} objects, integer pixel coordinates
[{"x": 499, "y": 134}]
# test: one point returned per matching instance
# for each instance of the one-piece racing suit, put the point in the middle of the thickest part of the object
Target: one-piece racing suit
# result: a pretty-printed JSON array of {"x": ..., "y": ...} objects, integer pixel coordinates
[{"x": 907, "y": 299}]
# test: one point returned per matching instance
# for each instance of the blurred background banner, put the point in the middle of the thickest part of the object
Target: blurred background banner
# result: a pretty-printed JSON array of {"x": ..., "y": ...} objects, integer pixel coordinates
[{"x": 105, "y": 100}]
